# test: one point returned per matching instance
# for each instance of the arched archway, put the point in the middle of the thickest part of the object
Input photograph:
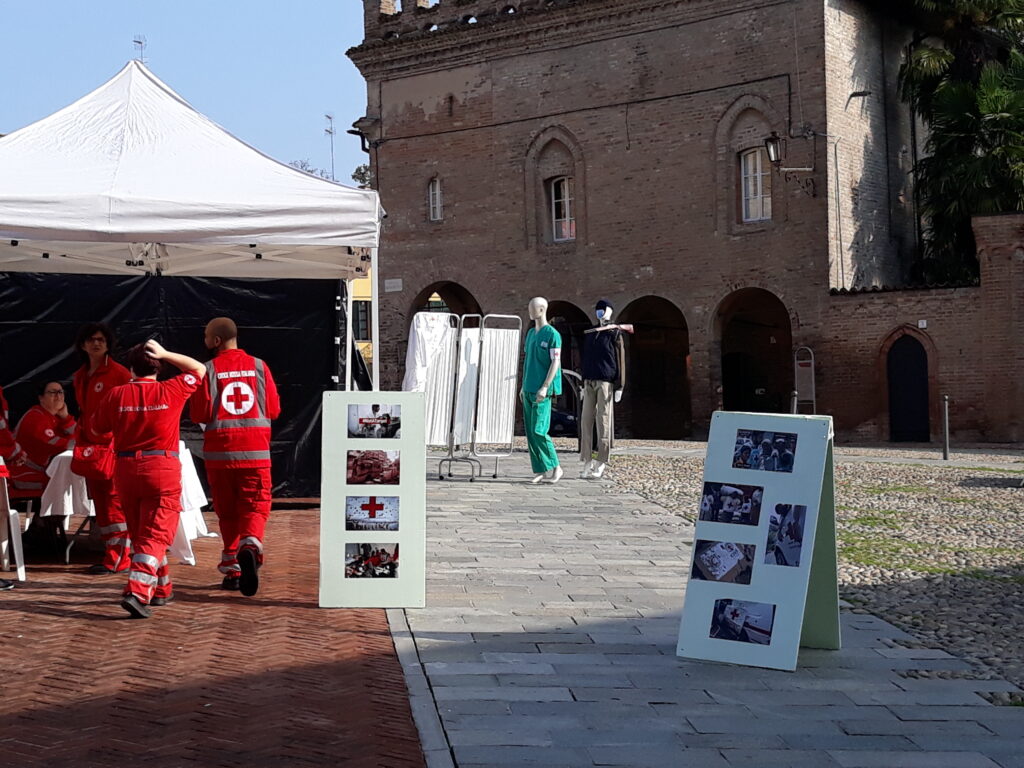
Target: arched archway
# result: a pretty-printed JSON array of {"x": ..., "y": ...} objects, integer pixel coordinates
[
  {"x": 445, "y": 296},
  {"x": 906, "y": 369},
  {"x": 656, "y": 403},
  {"x": 756, "y": 340},
  {"x": 570, "y": 321}
]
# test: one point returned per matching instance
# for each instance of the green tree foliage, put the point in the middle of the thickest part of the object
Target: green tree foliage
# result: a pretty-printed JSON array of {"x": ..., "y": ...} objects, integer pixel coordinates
[
  {"x": 363, "y": 176},
  {"x": 964, "y": 78}
]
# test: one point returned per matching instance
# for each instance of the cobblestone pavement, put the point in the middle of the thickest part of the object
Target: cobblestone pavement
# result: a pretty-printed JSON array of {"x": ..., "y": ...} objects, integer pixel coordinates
[
  {"x": 213, "y": 679},
  {"x": 549, "y": 639},
  {"x": 933, "y": 547}
]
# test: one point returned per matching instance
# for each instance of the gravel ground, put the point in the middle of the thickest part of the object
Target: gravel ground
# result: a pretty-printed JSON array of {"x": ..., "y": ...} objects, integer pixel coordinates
[{"x": 935, "y": 550}]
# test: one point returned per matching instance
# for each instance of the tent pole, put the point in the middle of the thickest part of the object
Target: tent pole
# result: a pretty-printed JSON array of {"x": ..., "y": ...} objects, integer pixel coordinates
[
  {"x": 375, "y": 317},
  {"x": 349, "y": 378}
]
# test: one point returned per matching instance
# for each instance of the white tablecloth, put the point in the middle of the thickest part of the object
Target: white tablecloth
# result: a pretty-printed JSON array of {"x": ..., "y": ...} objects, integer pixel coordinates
[{"x": 66, "y": 495}]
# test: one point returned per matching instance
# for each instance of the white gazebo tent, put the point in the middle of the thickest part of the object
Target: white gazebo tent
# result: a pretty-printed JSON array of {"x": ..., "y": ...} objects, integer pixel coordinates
[{"x": 131, "y": 179}]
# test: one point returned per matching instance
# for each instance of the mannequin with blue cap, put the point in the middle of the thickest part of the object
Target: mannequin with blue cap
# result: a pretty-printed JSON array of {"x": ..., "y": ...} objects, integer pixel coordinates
[{"x": 604, "y": 378}]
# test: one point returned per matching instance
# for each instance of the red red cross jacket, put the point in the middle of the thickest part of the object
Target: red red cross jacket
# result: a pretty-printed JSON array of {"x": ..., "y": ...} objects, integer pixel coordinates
[
  {"x": 237, "y": 402},
  {"x": 10, "y": 451}
]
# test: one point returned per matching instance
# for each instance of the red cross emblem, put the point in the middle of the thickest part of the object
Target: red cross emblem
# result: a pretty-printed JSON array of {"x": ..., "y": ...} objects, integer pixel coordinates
[
  {"x": 372, "y": 507},
  {"x": 238, "y": 398}
]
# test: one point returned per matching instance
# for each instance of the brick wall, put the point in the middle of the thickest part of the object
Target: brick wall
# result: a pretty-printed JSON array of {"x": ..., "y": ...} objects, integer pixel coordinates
[
  {"x": 870, "y": 202},
  {"x": 650, "y": 103}
]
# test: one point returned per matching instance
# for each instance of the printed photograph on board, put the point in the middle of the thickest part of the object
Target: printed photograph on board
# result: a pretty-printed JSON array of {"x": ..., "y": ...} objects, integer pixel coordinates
[
  {"x": 767, "y": 451},
  {"x": 742, "y": 621},
  {"x": 722, "y": 561},
  {"x": 371, "y": 513},
  {"x": 785, "y": 535},
  {"x": 371, "y": 561},
  {"x": 375, "y": 421},
  {"x": 724, "y": 503},
  {"x": 372, "y": 468}
]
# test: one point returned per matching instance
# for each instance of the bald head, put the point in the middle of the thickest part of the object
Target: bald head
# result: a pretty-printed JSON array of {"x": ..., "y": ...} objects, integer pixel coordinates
[{"x": 221, "y": 333}]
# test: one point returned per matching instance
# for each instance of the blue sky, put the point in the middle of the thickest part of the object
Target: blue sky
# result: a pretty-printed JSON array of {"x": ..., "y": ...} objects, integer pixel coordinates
[{"x": 265, "y": 70}]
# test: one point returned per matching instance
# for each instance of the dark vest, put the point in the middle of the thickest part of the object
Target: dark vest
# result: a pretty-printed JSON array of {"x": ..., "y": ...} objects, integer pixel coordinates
[{"x": 601, "y": 356}]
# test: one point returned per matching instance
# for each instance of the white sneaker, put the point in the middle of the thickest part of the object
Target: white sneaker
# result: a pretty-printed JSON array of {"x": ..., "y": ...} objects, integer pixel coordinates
[
  {"x": 556, "y": 475},
  {"x": 588, "y": 467},
  {"x": 538, "y": 478},
  {"x": 598, "y": 471}
]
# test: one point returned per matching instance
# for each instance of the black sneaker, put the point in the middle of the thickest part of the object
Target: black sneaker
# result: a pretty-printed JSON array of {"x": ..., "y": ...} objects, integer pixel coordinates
[
  {"x": 135, "y": 607},
  {"x": 249, "y": 582},
  {"x": 99, "y": 569},
  {"x": 162, "y": 600},
  {"x": 5, "y": 585},
  {"x": 230, "y": 582}
]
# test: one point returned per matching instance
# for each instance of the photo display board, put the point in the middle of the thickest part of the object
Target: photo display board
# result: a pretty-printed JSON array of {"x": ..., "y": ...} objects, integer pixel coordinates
[
  {"x": 763, "y": 569},
  {"x": 373, "y": 501}
]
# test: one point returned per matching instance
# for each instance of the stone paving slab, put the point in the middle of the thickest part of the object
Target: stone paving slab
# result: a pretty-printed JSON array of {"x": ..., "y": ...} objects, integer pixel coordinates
[{"x": 549, "y": 639}]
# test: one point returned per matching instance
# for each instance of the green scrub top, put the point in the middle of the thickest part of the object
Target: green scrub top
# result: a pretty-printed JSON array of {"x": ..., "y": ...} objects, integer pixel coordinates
[{"x": 538, "y": 359}]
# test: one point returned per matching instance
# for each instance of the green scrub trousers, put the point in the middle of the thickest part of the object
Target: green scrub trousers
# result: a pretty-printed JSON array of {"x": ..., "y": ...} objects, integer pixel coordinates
[{"x": 537, "y": 420}]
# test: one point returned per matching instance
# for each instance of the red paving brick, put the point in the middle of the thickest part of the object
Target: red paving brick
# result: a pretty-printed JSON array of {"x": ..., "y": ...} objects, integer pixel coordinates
[{"x": 213, "y": 679}]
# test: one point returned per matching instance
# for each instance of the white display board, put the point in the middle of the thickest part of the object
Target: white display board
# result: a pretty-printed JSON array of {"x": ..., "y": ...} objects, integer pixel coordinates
[
  {"x": 373, "y": 501},
  {"x": 763, "y": 568}
]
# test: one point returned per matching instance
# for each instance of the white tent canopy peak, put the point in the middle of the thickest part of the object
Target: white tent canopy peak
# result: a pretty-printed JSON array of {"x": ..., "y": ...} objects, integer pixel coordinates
[{"x": 133, "y": 163}]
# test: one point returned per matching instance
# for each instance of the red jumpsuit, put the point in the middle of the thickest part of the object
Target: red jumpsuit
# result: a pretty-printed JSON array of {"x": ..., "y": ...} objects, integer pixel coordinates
[
  {"x": 144, "y": 416},
  {"x": 236, "y": 403},
  {"x": 89, "y": 392},
  {"x": 43, "y": 436},
  {"x": 10, "y": 451}
]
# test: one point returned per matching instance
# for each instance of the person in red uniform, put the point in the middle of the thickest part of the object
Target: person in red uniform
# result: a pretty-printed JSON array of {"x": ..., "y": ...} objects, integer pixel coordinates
[
  {"x": 11, "y": 452},
  {"x": 12, "y": 455},
  {"x": 143, "y": 416},
  {"x": 44, "y": 431},
  {"x": 237, "y": 405},
  {"x": 98, "y": 375}
]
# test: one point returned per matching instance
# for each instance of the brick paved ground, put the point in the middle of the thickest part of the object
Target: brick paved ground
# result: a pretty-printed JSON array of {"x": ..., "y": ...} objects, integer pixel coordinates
[{"x": 213, "y": 679}]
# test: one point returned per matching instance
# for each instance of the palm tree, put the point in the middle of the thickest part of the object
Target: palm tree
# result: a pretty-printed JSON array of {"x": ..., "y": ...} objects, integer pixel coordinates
[
  {"x": 963, "y": 78},
  {"x": 974, "y": 163}
]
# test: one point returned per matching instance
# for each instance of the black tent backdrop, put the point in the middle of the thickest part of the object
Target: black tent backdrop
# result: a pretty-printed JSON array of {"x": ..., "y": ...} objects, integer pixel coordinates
[{"x": 292, "y": 324}]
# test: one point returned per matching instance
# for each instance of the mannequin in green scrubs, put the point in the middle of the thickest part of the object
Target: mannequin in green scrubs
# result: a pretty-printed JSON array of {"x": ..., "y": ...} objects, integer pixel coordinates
[{"x": 542, "y": 380}]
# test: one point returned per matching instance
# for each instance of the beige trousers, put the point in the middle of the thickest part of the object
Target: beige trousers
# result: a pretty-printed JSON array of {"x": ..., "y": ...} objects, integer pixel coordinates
[{"x": 597, "y": 404}]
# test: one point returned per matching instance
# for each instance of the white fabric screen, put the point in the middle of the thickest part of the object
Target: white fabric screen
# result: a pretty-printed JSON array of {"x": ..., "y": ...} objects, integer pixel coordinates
[
  {"x": 465, "y": 390},
  {"x": 430, "y": 368},
  {"x": 499, "y": 363}
]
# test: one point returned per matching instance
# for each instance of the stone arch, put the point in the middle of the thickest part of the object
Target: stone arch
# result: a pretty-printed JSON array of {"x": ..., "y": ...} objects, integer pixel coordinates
[
  {"x": 754, "y": 338},
  {"x": 456, "y": 299},
  {"x": 748, "y": 117},
  {"x": 553, "y": 152},
  {"x": 570, "y": 321},
  {"x": 656, "y": 402},
  {"x": 901, "y": 346}
]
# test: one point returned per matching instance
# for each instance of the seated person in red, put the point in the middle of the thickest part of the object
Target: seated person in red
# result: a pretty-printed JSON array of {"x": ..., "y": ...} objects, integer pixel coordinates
[{"x": 44, "y": 431}]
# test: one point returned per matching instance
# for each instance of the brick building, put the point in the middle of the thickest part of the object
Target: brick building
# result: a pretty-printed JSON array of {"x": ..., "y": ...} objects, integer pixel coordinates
[{"x": 586, "y": 149}]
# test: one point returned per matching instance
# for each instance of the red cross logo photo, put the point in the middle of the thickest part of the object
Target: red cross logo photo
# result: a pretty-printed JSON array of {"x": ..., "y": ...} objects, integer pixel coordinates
[
  {"x": 48, "y": 433},
  {"x": 372, "y": 506},
  {"x": 98, "y": 387},
  {"x": 237, "y": 398}
]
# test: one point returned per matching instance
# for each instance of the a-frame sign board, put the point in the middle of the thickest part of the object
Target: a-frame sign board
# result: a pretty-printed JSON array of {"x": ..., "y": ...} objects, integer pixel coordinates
[
  {"x": 763, "y": 568},
  {"x": 373, "y": 501}
]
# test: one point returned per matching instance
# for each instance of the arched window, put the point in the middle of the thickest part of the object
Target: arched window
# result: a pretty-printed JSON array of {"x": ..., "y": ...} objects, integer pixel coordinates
[
  {"x": 435, "y": 204},
  {"x": 755, "y": 185},
  {"x": 563, "y": 217}
]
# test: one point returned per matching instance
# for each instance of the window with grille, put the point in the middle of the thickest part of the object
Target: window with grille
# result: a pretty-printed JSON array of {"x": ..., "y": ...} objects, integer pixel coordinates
[
  {"x": 435, "y": 204},
  {"x": 361, "y": 321},
  {"x": 756, "y": 185},
  {"x": 563, "y": 217}
]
